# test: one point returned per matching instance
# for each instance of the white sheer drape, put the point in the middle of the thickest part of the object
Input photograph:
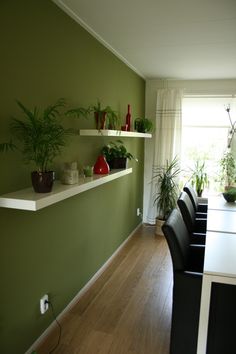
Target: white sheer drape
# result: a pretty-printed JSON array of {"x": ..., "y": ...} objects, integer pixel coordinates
[{"x": 166, "y": 142}]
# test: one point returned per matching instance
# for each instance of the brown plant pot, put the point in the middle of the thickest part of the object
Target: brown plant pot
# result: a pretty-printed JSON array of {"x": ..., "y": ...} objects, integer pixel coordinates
[
  {"x": 42, "y": 182},
  {"x": 159, "y": 224},
  {"x": 100, "y": 120}
]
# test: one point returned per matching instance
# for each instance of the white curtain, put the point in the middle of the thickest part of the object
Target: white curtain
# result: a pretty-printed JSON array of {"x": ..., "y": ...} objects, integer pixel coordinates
[{"x": 166, "y": 141}]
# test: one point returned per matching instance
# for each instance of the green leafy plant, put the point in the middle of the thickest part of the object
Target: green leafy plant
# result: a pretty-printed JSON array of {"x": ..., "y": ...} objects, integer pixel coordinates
[
  {"x": 40, "y": 134},
  {"x": 143, "y": 125},
  {"x": 199, "y": 178},
  {"x": 105, "y": 117},
  {"x": 227, "y": 170},
  {"x": 116, "y": 150},
  {"x": 166, "y": 187}
]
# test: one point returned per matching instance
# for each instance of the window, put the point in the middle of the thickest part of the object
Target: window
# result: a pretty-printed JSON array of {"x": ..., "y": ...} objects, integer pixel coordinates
[{"x": 205, "y": 135}]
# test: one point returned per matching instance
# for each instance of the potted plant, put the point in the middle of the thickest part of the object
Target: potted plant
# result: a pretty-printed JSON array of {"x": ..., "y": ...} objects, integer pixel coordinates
[
  {"x": 228, "y": 176},
  {"x": 143, "y": 125},
  {"x": 167, "y": 190},
  {"x": 104, "y": 117},
  {"x": 40, "y": 137},
  {"x": 227, "y": 170},
  {"x": 116, "y": 154},
  {"x": 199, "y": 178}
]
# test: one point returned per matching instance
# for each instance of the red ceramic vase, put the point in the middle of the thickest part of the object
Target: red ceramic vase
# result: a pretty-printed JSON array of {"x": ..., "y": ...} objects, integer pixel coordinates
[{"x": 101, "y": 166}]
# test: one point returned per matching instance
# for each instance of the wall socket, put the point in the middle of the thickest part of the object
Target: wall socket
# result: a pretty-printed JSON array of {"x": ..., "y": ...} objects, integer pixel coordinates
[
  {"x": 44, "y": 304},
  {"x": 139, "y": 212}
]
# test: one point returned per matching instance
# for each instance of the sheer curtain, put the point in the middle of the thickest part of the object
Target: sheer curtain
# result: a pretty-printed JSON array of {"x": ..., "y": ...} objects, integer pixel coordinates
[{"x": 166, "y": 141}]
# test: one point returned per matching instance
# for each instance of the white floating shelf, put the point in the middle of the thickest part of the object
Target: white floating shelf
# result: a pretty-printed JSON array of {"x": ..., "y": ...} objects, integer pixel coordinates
[
  {"x": 117, "y": 133},
  {"x": 27, "y": 199}
]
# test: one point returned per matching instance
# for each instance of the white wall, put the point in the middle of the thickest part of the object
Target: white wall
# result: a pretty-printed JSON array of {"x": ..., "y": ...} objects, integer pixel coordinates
[{"x": 191, "y": 87}]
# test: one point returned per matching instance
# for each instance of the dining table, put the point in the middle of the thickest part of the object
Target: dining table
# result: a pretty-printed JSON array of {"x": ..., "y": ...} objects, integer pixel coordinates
[{"x": 219, "y": 260}]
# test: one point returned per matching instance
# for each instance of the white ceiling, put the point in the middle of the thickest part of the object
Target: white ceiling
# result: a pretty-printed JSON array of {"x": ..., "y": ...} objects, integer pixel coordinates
[{"x": 172, "y": 39}]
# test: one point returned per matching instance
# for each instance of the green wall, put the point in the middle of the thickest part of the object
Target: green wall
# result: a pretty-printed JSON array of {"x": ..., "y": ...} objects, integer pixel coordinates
[{"x": 46, "y": 55}]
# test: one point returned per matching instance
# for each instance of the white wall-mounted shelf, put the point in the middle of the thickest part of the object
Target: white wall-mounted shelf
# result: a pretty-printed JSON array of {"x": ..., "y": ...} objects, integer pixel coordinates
[
  {"x": 27, "y": 199},
  {"x": 117, "y": 133}
]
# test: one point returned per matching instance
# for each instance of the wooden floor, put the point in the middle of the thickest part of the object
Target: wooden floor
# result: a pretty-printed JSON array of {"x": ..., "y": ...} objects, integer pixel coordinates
[{"x": 128, "y": 309}]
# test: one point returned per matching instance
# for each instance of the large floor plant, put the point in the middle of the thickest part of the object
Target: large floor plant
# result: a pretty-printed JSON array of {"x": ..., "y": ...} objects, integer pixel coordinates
[
  {"x": 40, "y": 137},
  {"x": 167, "y": 190}
]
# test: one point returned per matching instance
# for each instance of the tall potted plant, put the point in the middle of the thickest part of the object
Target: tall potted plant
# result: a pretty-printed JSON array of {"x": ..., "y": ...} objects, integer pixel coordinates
[
  {"x": 41, "y": 137},
  {"x": 167, "y": 190}
]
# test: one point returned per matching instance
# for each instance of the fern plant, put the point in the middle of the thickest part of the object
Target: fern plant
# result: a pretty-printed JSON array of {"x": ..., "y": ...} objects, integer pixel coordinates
[{"x": 40, "y": 134}]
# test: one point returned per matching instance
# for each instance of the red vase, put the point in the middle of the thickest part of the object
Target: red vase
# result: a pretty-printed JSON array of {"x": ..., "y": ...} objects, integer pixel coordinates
[
  {"x": 101, "y": 166},
  {"x": 128, "y": 119}
]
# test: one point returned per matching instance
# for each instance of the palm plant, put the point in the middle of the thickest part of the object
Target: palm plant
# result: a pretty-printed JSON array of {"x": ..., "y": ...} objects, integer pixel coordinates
[
  {"x": 40, "y": 135},
  {"x": 167, "y": 187}
]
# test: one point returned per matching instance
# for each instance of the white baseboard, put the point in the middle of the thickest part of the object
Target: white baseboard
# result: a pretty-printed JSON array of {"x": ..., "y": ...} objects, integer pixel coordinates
[{"x": 79, "y": 295}]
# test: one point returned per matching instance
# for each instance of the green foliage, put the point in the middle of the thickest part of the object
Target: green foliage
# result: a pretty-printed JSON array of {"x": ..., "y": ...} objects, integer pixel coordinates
[
  {"x": 143, "y": 125},
  {"x": 199, "y": 178},
  {"x": 166, "y": 186},
  {"x": 112, "y": 119},
  {"x": 227, "y": 169},
  {"x": 7, "y": 146},
  {"x": 40, "y": 135},
  {"x": 230, "y": 195},
  {"x": 116, "y": 150}
]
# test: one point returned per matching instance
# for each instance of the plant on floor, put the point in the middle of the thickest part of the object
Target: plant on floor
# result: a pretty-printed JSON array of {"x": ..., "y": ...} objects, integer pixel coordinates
[
  {"x": 167, "y": 188},
  {"x": 166, "y": 193},
  {"x": 41, "y": 138}
]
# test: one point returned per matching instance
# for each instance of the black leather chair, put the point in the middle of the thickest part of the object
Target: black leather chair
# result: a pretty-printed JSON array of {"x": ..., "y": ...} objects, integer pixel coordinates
[
  {"x": 198, "y": 207},
  {"x": 196, "y": 226},
  {"x": 187, "y": 261}
]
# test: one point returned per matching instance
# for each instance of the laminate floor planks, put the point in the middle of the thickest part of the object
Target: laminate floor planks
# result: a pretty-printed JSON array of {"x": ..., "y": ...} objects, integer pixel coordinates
[{"x": 128, "y": 309}]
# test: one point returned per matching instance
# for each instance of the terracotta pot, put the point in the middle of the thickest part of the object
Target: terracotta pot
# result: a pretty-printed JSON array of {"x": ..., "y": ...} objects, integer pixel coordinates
[
  {"x": 159, "y": 224},
  {"x": 42, "y": 181},
  {"x": 100, "y": 119}
]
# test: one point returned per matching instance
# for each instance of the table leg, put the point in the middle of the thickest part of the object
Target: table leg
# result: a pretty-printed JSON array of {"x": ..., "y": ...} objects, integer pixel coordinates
[{"x": 204, "y": 314}]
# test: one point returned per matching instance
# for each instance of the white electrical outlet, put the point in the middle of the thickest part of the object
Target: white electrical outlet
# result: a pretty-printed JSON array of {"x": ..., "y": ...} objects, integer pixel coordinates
[
  {"x": 138, "y": 211},
  {"x": 44, "y": 304}
]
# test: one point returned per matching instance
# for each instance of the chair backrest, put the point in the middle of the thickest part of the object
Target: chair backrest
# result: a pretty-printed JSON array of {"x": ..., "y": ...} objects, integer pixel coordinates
[
  {"x": 192, "y": 195},
  {"x": 188, "y": 213},
  {"x": 177, "y": 237}
]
